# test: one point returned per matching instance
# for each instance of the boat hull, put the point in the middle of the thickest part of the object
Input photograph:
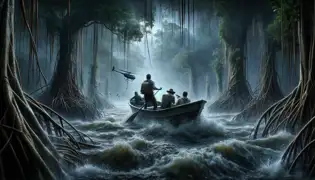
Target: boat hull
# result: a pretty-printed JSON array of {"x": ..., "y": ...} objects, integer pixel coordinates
[{"x": 177, "y": 114}]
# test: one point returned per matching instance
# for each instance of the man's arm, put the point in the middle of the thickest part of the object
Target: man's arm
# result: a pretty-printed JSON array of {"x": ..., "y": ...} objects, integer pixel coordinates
[
  {"x": 154, "y": 87},
  {"x": 173, "y": 100}
]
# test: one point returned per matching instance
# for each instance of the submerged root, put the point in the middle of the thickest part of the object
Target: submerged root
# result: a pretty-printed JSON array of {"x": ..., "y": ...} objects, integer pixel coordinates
[
  {"x": 70, "y": 102},
  {"x": 233, "y": 100},
  {"x": 26, "y": 145},
  {"x": 291, "y": 113},
  {"x": 258, "y": 106},
  {"x": 299, "y": 155},
  {"x": 26, "y": 151},
  {"x": 62, "y": 121},
  {"x": 255, "y": 108},
  {"x": 101, "y": 102},
  {"x": 269, "y": 92}
]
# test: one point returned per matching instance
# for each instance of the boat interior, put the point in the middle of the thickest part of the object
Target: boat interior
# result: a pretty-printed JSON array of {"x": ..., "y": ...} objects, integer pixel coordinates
[{"x": 150, "y": 105}]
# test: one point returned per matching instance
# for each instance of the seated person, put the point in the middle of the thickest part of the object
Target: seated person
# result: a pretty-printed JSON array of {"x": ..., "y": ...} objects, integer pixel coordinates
[
  {"x": 183, "y": 100},
  {"x": 137, "y": 99},
  {"x": 168, "y": 99}
]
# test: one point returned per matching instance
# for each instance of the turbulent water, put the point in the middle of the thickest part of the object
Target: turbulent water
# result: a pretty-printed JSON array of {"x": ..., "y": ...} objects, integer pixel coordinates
[{"x": 215, "y": 148}]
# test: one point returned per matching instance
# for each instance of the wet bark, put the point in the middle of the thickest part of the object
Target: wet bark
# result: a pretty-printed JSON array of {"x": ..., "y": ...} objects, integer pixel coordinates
[
  {"x": 296, "y": 109},
  {"x": 92, "y": 90},
  {"x": 63, "y": 78},
  {"x": 94, "y": 95},
  {"x": 269, "y": 92},
  {"x": 299, "y": 156},
  {"x": 237, "y": 95},
  {"x": 219, "y": 79},
  {"x": 64, "y": 94},
  {"x": 208, "y": 86},
  {"x": 194, "y": 82},
  {"x": 93, "y": 84},
  {"x": 106, "y": 88},
  {"x": 26, "y": 151},
  {"x": 237, "y": 80},
  {"x": 269, "y": 81}
]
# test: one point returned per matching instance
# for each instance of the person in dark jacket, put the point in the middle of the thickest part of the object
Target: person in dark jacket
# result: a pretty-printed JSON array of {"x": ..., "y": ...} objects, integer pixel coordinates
[
  {"x": 137, "y": 99},
  {"x": 183, "y": 100},
  {"x": 147, "y": 88}
]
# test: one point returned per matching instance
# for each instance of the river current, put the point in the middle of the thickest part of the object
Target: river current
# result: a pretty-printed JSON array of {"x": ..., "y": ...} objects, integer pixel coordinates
[{"x": 215, "y": 148}]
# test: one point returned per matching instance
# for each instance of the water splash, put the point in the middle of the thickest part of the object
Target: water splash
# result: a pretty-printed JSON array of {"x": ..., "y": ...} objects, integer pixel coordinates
[{"x": 213, "y": 148}]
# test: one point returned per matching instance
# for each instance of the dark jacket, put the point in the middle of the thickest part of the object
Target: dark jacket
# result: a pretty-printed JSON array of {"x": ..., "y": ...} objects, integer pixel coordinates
[
  {"x": 167, "y": 101},
  {"x": 183, "y": 100},
  {"x": 147, "y": 87}
]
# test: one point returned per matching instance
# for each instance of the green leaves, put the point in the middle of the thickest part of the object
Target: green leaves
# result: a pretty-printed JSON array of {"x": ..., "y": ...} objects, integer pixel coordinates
[
  {"x": 116, "y": 15},
  {"x": 286, "y": 17},
  {"x": 236, "y": 16}
]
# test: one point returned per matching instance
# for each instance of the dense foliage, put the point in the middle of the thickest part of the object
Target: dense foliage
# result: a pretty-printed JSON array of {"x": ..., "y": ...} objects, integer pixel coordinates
[
  {"x": 286, "y": 15},
  {"x": 119, "y": 16}
]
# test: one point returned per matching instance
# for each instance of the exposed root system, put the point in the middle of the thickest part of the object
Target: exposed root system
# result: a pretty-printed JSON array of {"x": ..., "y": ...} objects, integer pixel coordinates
[
  {"x": 300, "y": 153},
  {"x": 70, "y": 102},
  {"x": 33, "y": 146},
  {"x": 64, "y": 95},
  {"x": 233, "y": 100},
  {"x": 93, "y": 93},
  {"x": 269, "y": 92},
  {"x": 63, "y": 123},
  {"x": 237, "y": 96},
  {"x": 255, "y": 108},
  {"x": 101, "y": 102},
  {"x": 287, "y": 114},
  {"x": 26, "y": 148},
  {"x": 297, "y": 109}
]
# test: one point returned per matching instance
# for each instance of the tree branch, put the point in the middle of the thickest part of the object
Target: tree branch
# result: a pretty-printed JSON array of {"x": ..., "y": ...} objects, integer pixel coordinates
[{"x": 107, "y": 27}]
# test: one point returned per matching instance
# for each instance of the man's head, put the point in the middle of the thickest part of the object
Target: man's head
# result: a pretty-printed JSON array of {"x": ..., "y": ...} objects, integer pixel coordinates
[
  {"x": 136, "y": 93},
  {"x": 185, "y": 94},
  {"x": 171, "y": 91},
  {"x": 148, "y": 76}
]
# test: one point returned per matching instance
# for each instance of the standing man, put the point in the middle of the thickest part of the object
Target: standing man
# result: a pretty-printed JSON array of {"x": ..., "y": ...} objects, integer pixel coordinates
[{"x": 147, "y": 88}]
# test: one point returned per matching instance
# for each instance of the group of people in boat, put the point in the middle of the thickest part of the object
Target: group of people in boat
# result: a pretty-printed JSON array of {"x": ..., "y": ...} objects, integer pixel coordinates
[{"x": 168, "y": 99}]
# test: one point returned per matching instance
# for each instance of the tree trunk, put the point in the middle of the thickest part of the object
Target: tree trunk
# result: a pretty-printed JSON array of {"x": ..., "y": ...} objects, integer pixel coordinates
[
  {"x": 237, "y": 81},
  {"x": 269, "y": 90},
  {"x": 208, "y": 86},
  {"x": 269, "y": 82},
  {"x": 64, "y": 95},
  {"x": 299, "y": 156},
  {"x": 106, "y": 87},
  {"x": 93, "y": 86},
  {"x": 218, "y": 70},
  {"x": 191, "y": 86},
  {"x": 296, "y": 109},
  {"x": 63, "y": 79},
  {"x": 194, "y": 83},
  {"x": 237, "y": 95},
  {"x": 92, "y": 90},
  {"x": 27, "y": 153},
  {"x": 220, "y": 82}
]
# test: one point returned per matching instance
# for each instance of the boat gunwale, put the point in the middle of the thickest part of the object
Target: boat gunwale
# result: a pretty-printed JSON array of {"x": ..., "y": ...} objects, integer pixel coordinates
[{"x": 167, "y": 109}]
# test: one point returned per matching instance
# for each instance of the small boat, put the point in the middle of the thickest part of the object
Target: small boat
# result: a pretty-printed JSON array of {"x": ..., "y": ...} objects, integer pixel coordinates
[{"x": 176, "y": 114}]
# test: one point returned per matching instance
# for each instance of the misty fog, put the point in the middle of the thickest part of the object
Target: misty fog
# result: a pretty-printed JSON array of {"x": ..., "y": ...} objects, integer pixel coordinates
[{"x": 177, "y": 54}]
